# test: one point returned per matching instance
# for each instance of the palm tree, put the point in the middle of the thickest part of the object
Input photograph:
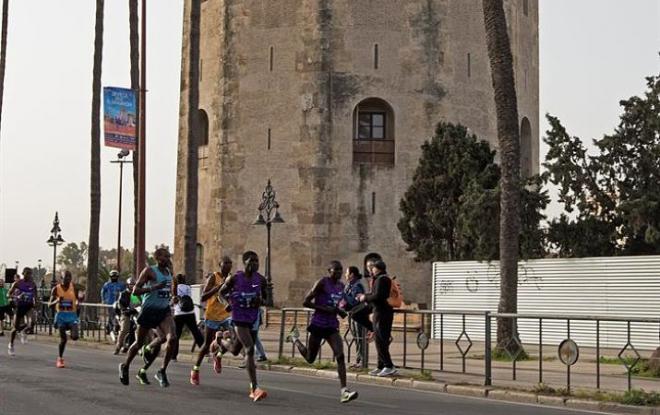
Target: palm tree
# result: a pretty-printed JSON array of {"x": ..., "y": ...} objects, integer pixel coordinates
[
  {"x": 95, "y": 182},
  {"x": 3, "y": 52},
  {"x": 506, "y": 106},
  {"x": 190, "y": 235},
  {"x": 134, "y": 38}
]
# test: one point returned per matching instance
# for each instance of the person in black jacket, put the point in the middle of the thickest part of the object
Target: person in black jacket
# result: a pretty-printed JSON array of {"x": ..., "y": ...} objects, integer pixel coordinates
[{"x": 383, "y": 315}]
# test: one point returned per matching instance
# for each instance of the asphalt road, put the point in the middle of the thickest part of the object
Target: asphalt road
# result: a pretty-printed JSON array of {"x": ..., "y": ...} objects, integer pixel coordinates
[{"x": 30, "y": 384}]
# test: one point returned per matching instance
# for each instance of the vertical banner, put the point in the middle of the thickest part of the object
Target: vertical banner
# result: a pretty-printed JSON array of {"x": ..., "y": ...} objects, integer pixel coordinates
[{"x": 120, "y": 117}]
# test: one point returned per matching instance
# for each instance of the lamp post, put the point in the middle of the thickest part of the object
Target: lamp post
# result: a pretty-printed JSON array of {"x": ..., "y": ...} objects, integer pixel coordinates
[
  {"x": 121, "y": 161},
  {"x": 268, "y": 215},
  {"x": 55, "y": 240},
  {"x": 39, "y": 273}
]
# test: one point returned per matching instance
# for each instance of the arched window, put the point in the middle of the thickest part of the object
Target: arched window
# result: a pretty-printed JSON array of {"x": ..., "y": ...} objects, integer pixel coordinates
[
  {"x": 526, "y": 168},
  {"x": 200, "y": 262},
  {"x": 373, "y": 132}
]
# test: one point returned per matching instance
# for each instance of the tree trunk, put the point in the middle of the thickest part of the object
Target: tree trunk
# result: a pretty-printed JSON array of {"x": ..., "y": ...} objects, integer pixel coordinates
[
  {"x": 134, "y": 38},
  {"x": 95, "y": 182},
  {"x": 3, "y": 52},
  {"x": 501, "y": 65},
  {"x": 192, "y": 161}
]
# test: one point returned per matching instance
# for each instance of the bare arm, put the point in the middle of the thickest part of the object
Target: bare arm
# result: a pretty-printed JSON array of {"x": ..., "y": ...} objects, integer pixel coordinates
[
  {"x": 227, "y": 286},
  {"x": 309, "y": 299},
  {"x": 53, "y": 297},
  {"x": 11, "y": 290},
  {"x": 210, "y": 290},
  {"x": 145, "y": 276}
]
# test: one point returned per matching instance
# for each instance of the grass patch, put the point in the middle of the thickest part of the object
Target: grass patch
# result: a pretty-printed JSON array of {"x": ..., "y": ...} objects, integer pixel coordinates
[
  {"x": 299, "y": 362},
  {"x": 425, "y": 375},
  {"x": 640, "y": 397},
  {"x": 642, "y": 368}
]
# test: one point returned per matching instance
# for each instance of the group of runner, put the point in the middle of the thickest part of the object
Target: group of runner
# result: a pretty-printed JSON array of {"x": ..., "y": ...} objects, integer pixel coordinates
[{"x": 232, "y": 316}]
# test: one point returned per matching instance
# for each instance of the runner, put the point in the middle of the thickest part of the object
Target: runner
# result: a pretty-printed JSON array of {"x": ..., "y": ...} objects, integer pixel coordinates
[
  {"x": 65, "y": 300},
  {"x": 246, "y": 291},
  {"x": 216, "y": 317},
  {"x": 155, "y": 286},
  {"x": 24, "y": 293},
  {"x": 324, "y": 298},
  {"x": 127, "y": 304},
  {"x": 5, "y": 307}
]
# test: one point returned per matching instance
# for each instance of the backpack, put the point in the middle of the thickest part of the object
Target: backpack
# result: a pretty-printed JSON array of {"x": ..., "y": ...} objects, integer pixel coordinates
[
  {"x": 186, "y": 304},
  {"x": 395, "y": 300}
]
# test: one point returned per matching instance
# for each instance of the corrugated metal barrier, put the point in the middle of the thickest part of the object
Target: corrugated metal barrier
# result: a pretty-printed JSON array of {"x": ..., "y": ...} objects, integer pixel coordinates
[{"x": 608, "y": 286}]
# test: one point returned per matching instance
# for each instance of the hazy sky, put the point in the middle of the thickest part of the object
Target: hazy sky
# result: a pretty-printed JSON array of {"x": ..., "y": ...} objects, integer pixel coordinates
[{"x": 593, "y": 53}]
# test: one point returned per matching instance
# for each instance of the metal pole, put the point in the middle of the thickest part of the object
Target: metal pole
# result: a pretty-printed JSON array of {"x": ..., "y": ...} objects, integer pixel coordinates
[
  {"x": 142, "y": 156},
  {"x": 53, "y": 281},
  {"x": 270, "y": 301},
  {"x": 487, "y": 352},
  {"x": 121, "y": 176}
]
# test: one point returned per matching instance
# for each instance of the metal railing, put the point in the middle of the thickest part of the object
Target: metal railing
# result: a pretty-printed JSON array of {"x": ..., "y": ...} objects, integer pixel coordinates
[
  {"x": 94, "y": 320},
  {"x": 483, "y": 365}
]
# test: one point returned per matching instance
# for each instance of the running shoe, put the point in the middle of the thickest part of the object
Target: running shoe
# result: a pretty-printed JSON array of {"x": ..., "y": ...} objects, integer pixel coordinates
[
  {"x": 262, "y": 359},
  {"x": 375, "y": 371},
  {"x": 10, "y": 350},
  {"x": 142, "y": 377},
  {"x": 194, "y": 377},
  {"x": 123, "y": 374},
  {"x": 217, "y": 362},
  {"x": 258, "y": 394},
  {"x": 243, "y": 364},
  {"x": 293, "y": 335},
  {"x": 161, "y": 377},
  {"x": 387, "y": 371},
  {"x": 347, "y": 396},
  {"x": 59, "y": 363}
]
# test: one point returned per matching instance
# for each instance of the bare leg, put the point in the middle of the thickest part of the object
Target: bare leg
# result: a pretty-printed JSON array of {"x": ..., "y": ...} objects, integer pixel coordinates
[
  {"x": 209, "y": 337},
  {"x": 140, "y": 336},
  {"x": 310, "y": 351},
  {"x": 168, "y": 328},
  {"x": 244, "y": 336},
  {"x": 337, "y": 346}
]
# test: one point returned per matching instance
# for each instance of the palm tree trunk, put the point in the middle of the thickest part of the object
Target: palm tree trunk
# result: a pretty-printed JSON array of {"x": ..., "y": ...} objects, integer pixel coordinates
[
  {"x": 190, "y": 235},
  {"x": 135, "y": 85},
  {"x": 506, "y": 105},
  {"x": 3, "y": 52},
  {"x": 95, "y": 182}
]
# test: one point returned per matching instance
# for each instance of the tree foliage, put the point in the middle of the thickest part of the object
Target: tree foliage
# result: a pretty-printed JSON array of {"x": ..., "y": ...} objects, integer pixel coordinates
[
  {"x": 451, "y": 209},
  {"x": 612, "y": 198}
]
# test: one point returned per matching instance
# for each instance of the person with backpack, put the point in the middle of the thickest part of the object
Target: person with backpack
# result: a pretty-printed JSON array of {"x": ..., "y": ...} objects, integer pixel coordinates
[
  {"x": 184, "y": 314},
  {"x": 383, "y": 316}
]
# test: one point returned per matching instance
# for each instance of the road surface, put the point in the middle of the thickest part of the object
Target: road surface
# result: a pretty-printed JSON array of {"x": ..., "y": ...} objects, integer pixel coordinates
[{"x": 30, "y": 384}]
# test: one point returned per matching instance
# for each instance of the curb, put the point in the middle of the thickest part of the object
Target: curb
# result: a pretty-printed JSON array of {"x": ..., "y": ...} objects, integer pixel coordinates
[{"x": 503, "y": 395}]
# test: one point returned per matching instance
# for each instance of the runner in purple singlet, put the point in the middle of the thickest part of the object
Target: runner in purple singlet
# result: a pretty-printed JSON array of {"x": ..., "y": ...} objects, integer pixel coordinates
[
  {"x": 246, "y": 291},
  {"x": 325, "y": 298}
]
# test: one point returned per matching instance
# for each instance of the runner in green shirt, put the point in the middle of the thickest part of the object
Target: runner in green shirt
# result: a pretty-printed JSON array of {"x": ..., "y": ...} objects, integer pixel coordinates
[{"x": 5, "y": 307}]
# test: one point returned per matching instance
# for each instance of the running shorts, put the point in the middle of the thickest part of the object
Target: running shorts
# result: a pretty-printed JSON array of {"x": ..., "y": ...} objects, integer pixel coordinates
[
  {"x": 218, "y": 324},
  {"x": 150, "y": 318},
  {"x": 66, "y": 320},
  {"x": 322, "y": 332}
]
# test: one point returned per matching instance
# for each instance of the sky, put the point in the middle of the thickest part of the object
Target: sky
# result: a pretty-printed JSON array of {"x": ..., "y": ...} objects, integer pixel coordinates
[{"x": 592, "y": 54}]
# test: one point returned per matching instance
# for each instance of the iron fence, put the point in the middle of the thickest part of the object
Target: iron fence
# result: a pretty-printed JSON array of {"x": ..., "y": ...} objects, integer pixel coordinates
[{"x": 433, "y": 355}]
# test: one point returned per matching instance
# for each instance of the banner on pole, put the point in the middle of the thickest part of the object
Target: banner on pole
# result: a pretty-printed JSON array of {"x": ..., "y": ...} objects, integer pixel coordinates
[{"x": 120, "y": 117}]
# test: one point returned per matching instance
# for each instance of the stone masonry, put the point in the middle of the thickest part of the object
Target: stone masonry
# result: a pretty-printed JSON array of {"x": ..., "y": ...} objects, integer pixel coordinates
[{"x": 280, "y": 84}]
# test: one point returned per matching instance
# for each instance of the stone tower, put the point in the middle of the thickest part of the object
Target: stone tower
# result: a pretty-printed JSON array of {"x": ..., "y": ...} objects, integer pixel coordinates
[{"x": 331, "y": 100}]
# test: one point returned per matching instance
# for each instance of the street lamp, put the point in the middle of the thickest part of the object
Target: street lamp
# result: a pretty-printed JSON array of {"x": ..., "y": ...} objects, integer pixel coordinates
[
  {"x": 39, "y": 273},
  {"x": 268, "y": 215},
  {"x": 120, "y": 160},
  {"x": 55, "y": 240}
]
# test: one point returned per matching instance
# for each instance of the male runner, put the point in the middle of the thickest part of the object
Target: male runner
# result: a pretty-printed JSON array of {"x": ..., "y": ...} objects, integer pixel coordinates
[
  {"x": 246, "y": 291},
  {"x": 324, "y": 298},
  {"x": 217, "y": 317},
  {"x": 5, "y": 307},
  {"x": 65, "y": 300},
  {"x": 24, "y": 293},
  {"x": 155, "y": 286}
]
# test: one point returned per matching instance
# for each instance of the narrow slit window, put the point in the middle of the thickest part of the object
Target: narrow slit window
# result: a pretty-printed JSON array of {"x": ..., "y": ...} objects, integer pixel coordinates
[
  {"x": 376, "y": 56},
  {"x": 373, "y": 203},
  {"x": 269, "y": 136},
  {"x": 469, "y": 65},
  {"x": 271, "y": 58}
]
